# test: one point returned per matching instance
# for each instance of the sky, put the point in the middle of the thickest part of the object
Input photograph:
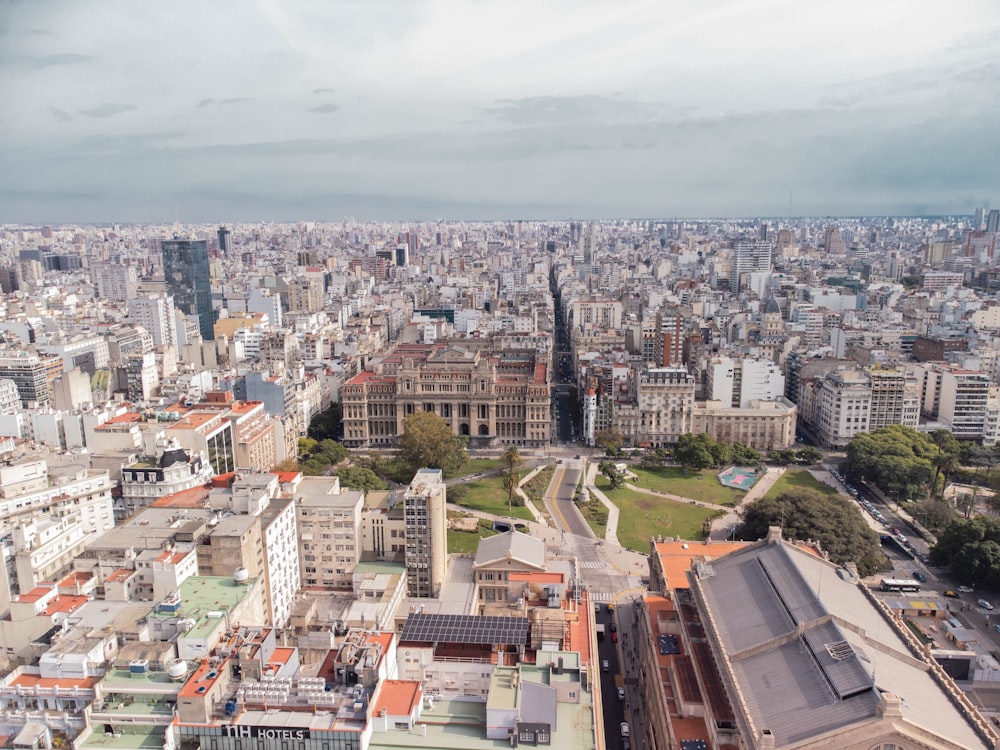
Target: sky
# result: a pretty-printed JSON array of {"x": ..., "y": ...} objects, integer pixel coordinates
[{"x": 283, "y": 110}]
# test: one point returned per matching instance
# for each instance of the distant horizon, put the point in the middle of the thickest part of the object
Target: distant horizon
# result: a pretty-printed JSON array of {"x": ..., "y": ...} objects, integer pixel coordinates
[{"x": 234, "y": 222}]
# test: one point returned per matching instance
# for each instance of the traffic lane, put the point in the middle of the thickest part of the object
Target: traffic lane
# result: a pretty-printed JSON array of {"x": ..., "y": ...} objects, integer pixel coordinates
[
  {"x": 629, "y": 633},
  {"x": 561, "y": 498},
  {"x": 612, "y": 710}
]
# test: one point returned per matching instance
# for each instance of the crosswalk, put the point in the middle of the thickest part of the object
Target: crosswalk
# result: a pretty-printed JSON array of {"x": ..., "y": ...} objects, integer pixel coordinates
[
  {"x": 601, "y": 596},
  {"x": 595, "y": 565}
]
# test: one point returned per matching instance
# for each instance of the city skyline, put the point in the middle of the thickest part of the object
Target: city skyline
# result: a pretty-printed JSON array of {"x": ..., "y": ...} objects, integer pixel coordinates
[{"x": 412, "y": 111}]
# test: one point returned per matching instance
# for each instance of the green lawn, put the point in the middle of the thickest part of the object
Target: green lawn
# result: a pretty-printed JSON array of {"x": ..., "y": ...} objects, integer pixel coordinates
[
  {"x": 596, "y": 516},
  {"x": 476, "y": 466},
  {"x": 644, "y": 516},
  {"x": 796, "y": 479},
  {"x": 467, "y": 541},
  {"x": 489, "y": 496},
  {"x": 697, "y": 485}
]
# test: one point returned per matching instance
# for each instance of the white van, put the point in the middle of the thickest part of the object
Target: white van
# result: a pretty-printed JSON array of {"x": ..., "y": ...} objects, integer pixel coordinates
[{"x": 604, "y": 665}]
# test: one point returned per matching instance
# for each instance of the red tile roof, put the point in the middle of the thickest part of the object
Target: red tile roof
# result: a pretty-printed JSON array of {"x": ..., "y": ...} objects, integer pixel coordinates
[{"x": 397, "y": 697}]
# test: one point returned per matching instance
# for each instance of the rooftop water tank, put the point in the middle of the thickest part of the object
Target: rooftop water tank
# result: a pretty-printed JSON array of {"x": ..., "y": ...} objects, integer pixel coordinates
[
  {"x": 241, "y": 576},
  {"x": 176, "y": 670}
]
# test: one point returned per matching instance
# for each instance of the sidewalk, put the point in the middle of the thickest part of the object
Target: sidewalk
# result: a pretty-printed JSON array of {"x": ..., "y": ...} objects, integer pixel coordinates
[{"x": 611, "y": 532}]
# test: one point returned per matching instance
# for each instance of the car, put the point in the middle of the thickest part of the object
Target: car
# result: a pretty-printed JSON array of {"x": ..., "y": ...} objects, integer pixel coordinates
[
  {"x": 984, "y": 604},
  {"x": 951, "y": 594},
  {"x": 965, "y": 589},
  {"x": 624, "y": 729},
  {"x": 605, "y": 667},
  {"x": 996, "y": 627},
  {"x": 919, "y": 576},
  {"x": 614, "y": 637},
  {"x": 612, "y": 627},
  {"x": 621, "y": 693},
  {"x": 597, "y": 608},
  {"x": 577, "y": 455},
  {"x": 611, "y": 608}
]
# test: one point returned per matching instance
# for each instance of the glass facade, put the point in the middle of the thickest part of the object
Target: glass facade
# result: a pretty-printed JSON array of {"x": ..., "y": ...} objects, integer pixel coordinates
[
  {"x": 185, "y": 266},
  {"x": 220, "y": 451}
]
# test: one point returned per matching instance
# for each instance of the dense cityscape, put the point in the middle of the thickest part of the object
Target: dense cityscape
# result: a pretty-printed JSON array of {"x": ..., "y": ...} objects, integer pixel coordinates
[{"x": 596, "y": 484}]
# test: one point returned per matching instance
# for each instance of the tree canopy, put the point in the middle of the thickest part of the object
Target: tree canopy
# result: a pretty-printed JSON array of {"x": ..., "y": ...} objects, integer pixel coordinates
[
  {"x": 428, "y": 442},
  {"x": 898, "y": 460},
  {"x": 831, "y": 520},
  {"x": 358, "y": 478},
  {"x": 326, "y": 424},
  {"x": 701, "y": 451},
  {"x": 971, "y": 546}
]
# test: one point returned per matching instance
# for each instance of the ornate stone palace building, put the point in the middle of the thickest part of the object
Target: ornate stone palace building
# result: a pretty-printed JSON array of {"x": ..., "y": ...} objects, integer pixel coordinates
[{"x": 494, "y": 398}]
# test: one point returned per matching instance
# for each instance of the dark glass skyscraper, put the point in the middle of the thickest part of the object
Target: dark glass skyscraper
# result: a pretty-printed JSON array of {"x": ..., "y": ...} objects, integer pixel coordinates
[{"x": 185, "y": 265}]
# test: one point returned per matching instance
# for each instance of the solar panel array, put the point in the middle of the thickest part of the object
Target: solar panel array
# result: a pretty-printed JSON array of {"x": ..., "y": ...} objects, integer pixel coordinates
[{"x": 433, "y": 628}]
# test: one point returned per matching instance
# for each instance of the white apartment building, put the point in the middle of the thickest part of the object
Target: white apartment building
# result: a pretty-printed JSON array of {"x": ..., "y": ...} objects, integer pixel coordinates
[
  {"x": 44, "y": 549},
  {"x": 167, "y": 470},
  {"x": 737, "y": 382},
  {"x": 157, "y": 316},
  {"x": 116, "y": 282},
  {"x": 281, "y": 548},
  {"x": 955, "y": 396},
  {"x": 30, "y": 489},
  {"x": 842, "y": 404},
  {"x": 10, "y": 400},
  {"x": 329, "y": 524}
]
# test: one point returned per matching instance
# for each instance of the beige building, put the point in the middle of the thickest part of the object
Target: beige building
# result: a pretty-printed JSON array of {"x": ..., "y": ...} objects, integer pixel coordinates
[
  {"x": 425, "y": 516},
  {"x": 329, "y": 524},
  {"x": 762, "y": 425},
  {"x": 895, "y": 398},
  {"x": 497, "y": 557},
  {"x": 663, "y": 409},
  {"x": 493, "y": 399}
]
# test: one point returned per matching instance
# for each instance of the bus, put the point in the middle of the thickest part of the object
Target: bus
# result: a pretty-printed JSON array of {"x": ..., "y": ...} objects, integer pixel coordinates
[{"x": 899, "y": 584}]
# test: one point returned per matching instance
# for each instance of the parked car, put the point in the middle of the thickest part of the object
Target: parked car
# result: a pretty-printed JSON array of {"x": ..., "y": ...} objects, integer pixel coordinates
[
  {"x": 614, "y": 637},
  {"x": 612, "y": 627},
  {"x": 624, "y": 729},
  {"x": 621, "y": 693},
  {"x": 605, "y": 666},
  {"x": 984, "y": 604},
  {"x": 965, "y": 589}
]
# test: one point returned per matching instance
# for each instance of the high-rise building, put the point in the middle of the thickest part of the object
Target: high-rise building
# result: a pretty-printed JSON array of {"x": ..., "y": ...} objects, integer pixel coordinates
[
  {"x": 185, "y": 266},
  {"x": 32, "y": 374},
  {"x": 425, "y": 517},
  {"x": 833, "y": 243},
  {"x": 750, "y": 256},
  {"x": 993, "y": 221},
  {"x": 977, "y": 221},
  {"x": 116, "y": 282},
  {"x": 156, "y": 315},
  {"x": 224, "y": 240},
  {"x": 895, "y": 398}
]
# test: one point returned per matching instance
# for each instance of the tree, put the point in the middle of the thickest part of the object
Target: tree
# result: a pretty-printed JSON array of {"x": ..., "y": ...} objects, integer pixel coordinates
[
  {"x": 946, "y": 462},
  {"x": 609, "y": 440},
  {"x": 609, "y": 470},
  {"x": 694, "y": 451},
  {"x": 428, "y": 442},
  {"x": 832, "y": 521},
  {"x": 934, "y": 514},
  {"x": 965, "y": 503},
  {"x": 511, "y": 461},
  {"x": 358, "y": 478},
  {"x": 327, "y": 424},
  {"x": 896, "y": 459},
  {"x": 810, "y": 455}
]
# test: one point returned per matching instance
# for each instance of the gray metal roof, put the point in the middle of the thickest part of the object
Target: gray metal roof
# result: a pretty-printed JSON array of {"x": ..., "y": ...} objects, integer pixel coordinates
[
  {"x": 538, "y": 704},
  {"x": 810, "y": 653},
  {"x": 520, "y": 547}
]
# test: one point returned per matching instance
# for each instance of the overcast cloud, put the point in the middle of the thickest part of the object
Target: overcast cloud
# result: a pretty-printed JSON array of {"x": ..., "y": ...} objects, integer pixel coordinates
[{"x": 234, "y": 110}]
